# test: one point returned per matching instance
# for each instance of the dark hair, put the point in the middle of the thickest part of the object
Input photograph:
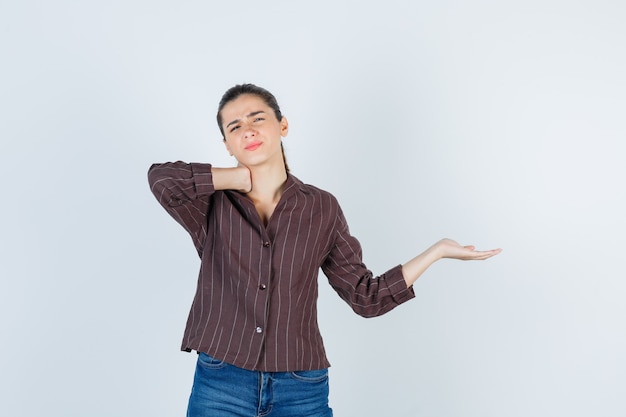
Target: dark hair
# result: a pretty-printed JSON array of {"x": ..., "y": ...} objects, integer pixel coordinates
[{"x": 241, "y": 89}]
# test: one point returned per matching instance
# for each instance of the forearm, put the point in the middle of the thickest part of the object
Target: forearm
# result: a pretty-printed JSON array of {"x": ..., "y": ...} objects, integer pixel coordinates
[
  {"x": 237, "y": 178},
  {"x": 414, "y": 268}
]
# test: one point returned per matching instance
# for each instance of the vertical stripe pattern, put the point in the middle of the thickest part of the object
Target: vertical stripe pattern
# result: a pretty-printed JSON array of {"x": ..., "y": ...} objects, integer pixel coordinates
[{"x": 255, "y": 305}]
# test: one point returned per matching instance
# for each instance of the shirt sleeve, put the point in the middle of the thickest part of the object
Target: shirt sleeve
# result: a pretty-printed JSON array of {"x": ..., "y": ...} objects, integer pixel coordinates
[
  {"x": 185, "y": 191},
  {"x": 368, "y": 295}
]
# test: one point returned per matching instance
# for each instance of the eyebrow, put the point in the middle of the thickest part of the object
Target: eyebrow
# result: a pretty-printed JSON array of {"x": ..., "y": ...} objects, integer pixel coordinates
[{"x": 254, "y": 113}]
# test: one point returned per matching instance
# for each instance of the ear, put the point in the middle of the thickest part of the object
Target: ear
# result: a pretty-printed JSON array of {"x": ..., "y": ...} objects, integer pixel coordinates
[{"x": 284, "y": 127}]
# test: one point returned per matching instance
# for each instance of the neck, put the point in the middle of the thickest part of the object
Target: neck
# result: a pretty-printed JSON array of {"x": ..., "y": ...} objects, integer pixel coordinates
[{"x": 267, "y": 182}]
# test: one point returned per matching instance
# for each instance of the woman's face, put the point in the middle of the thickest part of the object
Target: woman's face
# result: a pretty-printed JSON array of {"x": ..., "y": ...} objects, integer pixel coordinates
[{"x": 252, "y": 134}]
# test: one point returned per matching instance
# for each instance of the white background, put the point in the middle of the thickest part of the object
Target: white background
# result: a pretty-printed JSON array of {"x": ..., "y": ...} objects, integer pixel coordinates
[{"x": 496, "y": 123}]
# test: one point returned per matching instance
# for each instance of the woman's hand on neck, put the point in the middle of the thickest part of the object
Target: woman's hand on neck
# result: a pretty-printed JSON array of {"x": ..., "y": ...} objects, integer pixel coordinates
[
  {"x": 267, "y": 182},
  {"x": 235, "y": 178},
  {"x": 260, "y": 183}
]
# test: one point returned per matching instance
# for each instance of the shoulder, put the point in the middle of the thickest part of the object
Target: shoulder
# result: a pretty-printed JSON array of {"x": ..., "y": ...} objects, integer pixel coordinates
[{"x": 311, "y": 190}]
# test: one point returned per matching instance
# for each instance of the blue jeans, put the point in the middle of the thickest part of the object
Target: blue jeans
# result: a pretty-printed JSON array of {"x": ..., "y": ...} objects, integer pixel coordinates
[{"x": 223, "y": 390}]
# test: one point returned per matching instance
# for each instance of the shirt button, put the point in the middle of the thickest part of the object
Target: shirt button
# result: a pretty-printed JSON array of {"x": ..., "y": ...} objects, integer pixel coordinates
[
  {"x": 259, "y": 330},
  {"x": 266, "y": 244},
  {"x": 262, "y": 286}
]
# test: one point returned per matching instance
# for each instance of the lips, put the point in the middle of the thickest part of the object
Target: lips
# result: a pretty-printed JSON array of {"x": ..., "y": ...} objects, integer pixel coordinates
[{"x": 253, "y": 146}]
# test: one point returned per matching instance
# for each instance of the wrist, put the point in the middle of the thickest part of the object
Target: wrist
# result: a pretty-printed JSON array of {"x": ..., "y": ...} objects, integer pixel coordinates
[
  {"x": 436, "y": 252},
  {"x": 242, "y": 179},
  {"x": 235, "y": 178}
]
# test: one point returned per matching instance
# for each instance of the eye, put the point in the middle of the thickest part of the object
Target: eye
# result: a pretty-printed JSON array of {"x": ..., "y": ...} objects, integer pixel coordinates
[
  {"x": 258, "y": 119},
  {"x": 234, "y": 128}
]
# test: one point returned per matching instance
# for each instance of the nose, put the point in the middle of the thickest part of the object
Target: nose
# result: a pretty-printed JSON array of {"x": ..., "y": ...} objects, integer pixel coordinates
[{"x": 249, "y": 132}]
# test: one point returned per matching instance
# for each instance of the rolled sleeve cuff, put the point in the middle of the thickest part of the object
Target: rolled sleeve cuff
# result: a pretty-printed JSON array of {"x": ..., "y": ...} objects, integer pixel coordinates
[
  {"x": 397, "y": 285},
  {"x": 203, "y": 178}
]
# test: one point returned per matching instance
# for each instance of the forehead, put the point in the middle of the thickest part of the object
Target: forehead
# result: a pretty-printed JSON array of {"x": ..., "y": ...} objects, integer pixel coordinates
[{"x": 242, "y": 106}]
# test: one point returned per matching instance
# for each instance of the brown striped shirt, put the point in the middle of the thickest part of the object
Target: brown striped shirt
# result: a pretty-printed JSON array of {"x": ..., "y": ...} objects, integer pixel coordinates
[{"x": 256, "y": 302}]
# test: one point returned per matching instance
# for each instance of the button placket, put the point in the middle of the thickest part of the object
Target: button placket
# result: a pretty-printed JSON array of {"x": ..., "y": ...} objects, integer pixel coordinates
[{"x": 263, "y": 286}]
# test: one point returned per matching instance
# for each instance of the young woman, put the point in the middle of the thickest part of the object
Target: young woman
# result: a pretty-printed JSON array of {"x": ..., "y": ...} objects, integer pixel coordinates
[{"x": 262, "y": 236}]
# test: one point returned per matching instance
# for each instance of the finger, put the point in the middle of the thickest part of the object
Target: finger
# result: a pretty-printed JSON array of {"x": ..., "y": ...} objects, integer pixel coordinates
[
  {"x": 489, "y": 253},
  {"x": 482, "y": 255}
]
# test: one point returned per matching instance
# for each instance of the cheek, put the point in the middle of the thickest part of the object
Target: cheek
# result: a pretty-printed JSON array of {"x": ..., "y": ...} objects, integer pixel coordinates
[{"x": 227, "y": 148}]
